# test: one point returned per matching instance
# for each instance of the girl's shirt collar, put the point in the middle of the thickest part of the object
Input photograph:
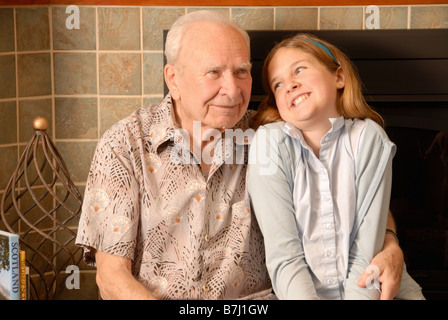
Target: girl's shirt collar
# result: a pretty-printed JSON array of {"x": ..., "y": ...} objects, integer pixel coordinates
[{"x": 336, "y": 125}]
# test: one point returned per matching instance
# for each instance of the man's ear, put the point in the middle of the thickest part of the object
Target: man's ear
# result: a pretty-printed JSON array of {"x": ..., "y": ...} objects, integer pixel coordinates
[
  {"x": 171, "y": 80},
  {"x": 340, "y": 78}
]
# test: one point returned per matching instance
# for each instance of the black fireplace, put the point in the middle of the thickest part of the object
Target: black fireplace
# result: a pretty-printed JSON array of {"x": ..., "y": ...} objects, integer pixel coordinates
[{"x": 405, "y": 74}]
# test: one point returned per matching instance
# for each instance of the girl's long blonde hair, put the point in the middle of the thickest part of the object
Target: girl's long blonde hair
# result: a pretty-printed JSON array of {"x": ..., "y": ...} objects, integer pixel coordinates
[{"x": 351, "y": 103}]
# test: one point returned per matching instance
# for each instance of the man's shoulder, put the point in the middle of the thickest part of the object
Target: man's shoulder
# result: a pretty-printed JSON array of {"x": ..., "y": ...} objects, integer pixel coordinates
[
  {"x": 141, "y": 121},
  {"x": 246, "y": 121}
]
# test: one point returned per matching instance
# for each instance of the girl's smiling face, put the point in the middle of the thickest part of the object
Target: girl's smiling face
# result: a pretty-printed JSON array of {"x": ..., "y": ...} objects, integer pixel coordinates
[{"x": 305, "y": 90}]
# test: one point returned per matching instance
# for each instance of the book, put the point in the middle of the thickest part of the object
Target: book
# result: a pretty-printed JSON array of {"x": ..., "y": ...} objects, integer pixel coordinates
[
  {"x": 23, "y": 286},
  {"x": 9, "y": 266}
]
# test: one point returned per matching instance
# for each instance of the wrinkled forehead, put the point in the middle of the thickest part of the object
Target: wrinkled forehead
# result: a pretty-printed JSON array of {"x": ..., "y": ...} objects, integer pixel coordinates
[{"x": 210, "y": 38}]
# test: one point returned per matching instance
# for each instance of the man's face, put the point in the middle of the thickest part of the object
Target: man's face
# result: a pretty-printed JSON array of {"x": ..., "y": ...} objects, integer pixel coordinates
[{"x": 212, "y": 77}]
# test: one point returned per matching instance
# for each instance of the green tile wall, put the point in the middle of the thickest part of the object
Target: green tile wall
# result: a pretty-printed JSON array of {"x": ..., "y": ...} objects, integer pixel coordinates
[
  {"x": 120, "y": 73},
  {"x": 34, "y": 74},
  {"x": 74, "y": 73},
  {"x": 84, "y": 80},
  {"x": 83, "y": 38},
  {"x": 8, "y": 75},
  {"x": 7, "y": 28},
  {"x": 33, "y": 29}
]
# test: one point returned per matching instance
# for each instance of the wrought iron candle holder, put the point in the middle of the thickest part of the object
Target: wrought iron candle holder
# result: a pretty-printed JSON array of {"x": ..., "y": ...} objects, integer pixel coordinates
[{"x": 41, "y": 204}]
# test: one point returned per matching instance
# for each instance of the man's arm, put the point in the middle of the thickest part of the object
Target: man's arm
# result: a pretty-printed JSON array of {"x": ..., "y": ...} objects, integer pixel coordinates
[
  {"x": 390, "y": 262},
  {"x": 115, "y": 279}
]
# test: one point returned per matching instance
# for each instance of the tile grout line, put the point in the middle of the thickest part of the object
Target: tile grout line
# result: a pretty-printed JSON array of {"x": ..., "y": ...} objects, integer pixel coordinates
[
  {"x": 408, "y": 21},
  {"x": 52, "y": 74},
  {"x": 97, "y": 71},
  {"x": 17, "y": 84},
  {"x": 142, "y": 58},
  {"x": 318, "y": 18}
]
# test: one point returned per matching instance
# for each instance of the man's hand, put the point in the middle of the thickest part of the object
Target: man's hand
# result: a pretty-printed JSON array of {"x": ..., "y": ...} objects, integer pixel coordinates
[
  {"x": 115, "y": 279},
  {"x": 390, "y": 263}
]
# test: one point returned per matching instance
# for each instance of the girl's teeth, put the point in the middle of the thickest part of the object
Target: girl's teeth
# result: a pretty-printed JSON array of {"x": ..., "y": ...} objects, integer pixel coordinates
[{"x": 300, "y": 99}]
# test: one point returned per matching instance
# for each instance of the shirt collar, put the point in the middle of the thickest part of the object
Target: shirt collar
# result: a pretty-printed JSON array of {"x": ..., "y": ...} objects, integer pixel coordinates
[
  {"x": 163, "y": 125},
  {"x": 336, "y": 125}
]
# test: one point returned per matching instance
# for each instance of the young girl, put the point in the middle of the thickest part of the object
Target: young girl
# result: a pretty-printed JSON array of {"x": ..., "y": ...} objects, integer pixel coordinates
[{"x": 323, "y": 210}]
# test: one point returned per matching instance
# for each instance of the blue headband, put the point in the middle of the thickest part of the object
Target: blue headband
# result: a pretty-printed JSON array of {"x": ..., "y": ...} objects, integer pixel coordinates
[{"x": 320, "y": 45}]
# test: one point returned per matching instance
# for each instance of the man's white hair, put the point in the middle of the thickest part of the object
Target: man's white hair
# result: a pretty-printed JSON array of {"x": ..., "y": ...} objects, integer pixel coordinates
[{"x": 178, "y": 29}]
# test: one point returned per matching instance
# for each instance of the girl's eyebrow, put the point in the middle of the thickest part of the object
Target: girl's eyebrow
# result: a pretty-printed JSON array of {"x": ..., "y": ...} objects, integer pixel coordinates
[{"x": 291, "y": 66}]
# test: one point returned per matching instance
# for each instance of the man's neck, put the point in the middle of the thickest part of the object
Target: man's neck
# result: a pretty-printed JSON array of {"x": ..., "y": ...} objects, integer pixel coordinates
[
  {"x": 202, "y": 139},
  {"x": 202, "y": 144}
]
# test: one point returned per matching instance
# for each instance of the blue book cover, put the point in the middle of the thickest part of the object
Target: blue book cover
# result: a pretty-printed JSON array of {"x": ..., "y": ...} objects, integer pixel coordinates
[{"x": 9, "y": 266}]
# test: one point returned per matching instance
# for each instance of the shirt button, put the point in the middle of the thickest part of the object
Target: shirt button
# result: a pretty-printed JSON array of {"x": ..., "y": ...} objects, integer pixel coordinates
[
  {"x": 207, "y": 238},
  {"x": 331, "y": 281},
  {"x": 329, "y": 226},
  {"x": 327, "y": 198},
  {"x": 206, "y": 287}
]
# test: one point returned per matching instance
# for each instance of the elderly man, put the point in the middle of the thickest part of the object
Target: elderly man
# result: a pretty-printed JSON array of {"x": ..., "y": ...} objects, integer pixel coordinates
[{"x": 160, "y": 228}]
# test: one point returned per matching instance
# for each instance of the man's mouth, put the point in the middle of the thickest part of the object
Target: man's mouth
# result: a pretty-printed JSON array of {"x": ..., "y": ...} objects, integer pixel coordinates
[
  {"x": 226, "y": 106},
  {"x": 300, "y": 98}
]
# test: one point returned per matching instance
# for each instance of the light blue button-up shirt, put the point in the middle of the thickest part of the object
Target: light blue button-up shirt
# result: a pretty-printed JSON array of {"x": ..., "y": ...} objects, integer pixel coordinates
[
  {"x": 324, "y": 198},
  {"x": 323, "y": 219}
]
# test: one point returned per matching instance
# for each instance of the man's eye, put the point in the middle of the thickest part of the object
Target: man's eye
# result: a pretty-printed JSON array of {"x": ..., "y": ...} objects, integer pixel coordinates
[
  {"x": 213, "y": 74},
  {"x": 242, "y": 73}
]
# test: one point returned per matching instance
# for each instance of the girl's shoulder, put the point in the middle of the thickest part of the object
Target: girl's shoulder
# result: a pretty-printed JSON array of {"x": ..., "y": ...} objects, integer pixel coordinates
[
  {"x": 273, "y": 126},
  {"x": 370, "y": 128},
  {"x": 368, "y": 135},
  {"x": 274, "y": 130}
]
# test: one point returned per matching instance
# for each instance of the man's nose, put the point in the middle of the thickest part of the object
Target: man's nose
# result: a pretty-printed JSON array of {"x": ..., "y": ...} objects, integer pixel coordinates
[{"x": 230, "y": 85}]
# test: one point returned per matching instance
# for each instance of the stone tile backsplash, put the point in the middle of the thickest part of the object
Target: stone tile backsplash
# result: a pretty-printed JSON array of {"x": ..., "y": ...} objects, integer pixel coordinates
[
  {"x": 8, "y": 76},
  {"x": 85, "y": 80},
  {"x": 296, "y": 18},
  {"x": 7, "y": 30},
  {"x": 83, "y": 38},
  {"x": 120, "y": 73},
  {"x": 119, "y": 28},
  {"x": 33, "y": 29},
  {"x": 76, "y": 118},
  {"x": 341, "y": 18},
  {"x": 34, "y": 74},
  {"x": 75, "y": 73},
  {"x": 429, "y": 17},
  {"x": 8, "y": 114}
]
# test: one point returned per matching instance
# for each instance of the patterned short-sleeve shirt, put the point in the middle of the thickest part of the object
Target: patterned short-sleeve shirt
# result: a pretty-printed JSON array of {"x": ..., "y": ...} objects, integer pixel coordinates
[{"x": 188, "y": 236}]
